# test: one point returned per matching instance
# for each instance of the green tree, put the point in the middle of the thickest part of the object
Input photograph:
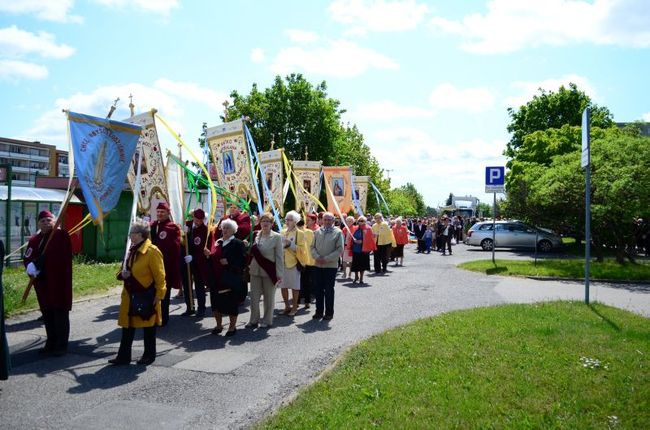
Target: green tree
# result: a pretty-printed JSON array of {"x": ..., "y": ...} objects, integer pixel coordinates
[
  {"x": 550, "y": 109},
  {"x": 449, "y": 199}
]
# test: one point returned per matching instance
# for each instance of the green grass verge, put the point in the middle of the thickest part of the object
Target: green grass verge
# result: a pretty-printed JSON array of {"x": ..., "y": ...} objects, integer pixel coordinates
[
  {"x": 575, "y": 269},
  {"x": 87, "y": 278},
  {"x": 552, "y": 365}
]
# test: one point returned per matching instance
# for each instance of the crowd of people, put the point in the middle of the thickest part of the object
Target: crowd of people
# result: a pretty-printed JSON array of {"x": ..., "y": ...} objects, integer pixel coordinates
[{"x": 242, "y": 256}]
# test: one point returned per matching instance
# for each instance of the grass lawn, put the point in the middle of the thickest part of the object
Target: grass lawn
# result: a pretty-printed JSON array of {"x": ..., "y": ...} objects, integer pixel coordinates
[
  {"x": 552, "y": 365},
  {"x": 608, "y": 269},
  {"x": 87, "y": 278}
]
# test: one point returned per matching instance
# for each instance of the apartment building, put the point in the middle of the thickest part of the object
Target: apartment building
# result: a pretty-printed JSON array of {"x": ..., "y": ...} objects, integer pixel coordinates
[{"x": 31, "y": 159}]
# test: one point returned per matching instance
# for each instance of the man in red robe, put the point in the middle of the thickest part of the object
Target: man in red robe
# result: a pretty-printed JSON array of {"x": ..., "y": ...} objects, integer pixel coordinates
[
  {"x": 243, "y": 221},
  {"x": 167, "y": 237},
  {"x": 50, "y": 264},
  {"x": 197, "y": 236}
]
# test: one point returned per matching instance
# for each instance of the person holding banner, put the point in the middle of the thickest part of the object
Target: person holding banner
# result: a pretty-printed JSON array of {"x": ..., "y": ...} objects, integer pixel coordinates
[
  {"x": 384, "y": 237},
  {"x": 227, "y": 258},
  {"x": 295, "y": 250},
  {"x": 266, "y": 271},
  {"x": 144, "y": 288},
  {"x": 326, "y": 250},
  {"x": 198, "y": 240},
  {"x": 48, "y": 259},
  {"x": 167, "y": 237}
]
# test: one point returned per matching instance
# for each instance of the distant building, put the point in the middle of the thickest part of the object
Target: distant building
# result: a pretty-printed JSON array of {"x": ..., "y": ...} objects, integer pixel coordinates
[
  {"x": 29, "y": 160},
  {"x": 644, "y": 127}
]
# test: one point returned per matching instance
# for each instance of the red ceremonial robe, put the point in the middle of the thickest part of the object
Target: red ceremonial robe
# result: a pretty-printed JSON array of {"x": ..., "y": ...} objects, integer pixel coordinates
[
  {"x": 167, "y": 237},
  {"x": 197, "y": 238},
  {"x": 54, "y": 284},
  {"x": 243, "y": 221}
]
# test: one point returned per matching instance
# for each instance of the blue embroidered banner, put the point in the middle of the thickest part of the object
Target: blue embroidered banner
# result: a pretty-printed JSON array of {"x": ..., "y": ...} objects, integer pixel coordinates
[{"x": 103, "y": 150}]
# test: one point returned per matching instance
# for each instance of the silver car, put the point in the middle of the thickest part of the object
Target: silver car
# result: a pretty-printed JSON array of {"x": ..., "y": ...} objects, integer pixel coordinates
[{"x": 512, "y": 234}]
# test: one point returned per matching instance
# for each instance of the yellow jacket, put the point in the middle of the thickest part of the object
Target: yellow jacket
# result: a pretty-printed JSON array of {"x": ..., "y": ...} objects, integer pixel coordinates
[
  {"x": 384, "y": 234},
  {"x": 309, "y": 240},
  {"x": 147, "y": 268},
  {"x": 298, "y": 250}
]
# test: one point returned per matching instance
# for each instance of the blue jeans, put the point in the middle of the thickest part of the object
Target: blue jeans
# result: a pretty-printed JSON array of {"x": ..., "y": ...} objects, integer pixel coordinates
[{"x": 323, "y": 283}]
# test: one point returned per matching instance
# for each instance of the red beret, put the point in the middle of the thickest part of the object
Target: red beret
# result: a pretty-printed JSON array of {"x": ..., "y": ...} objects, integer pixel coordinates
[
  {"x": 45, "y": 214},
  {"x": 199, "y": 214},
  {"x": 163, "y": 205}
]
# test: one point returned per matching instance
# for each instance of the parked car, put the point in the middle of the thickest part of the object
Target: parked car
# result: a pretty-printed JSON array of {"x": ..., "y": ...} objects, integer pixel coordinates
[{"x": 512, "y": 234}]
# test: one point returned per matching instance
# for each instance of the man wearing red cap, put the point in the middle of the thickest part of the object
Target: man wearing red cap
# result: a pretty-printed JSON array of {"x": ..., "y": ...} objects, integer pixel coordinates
[
  {"x": 51, "y": 268},
  {"x": 197, "y": 237},
  {"x": 167, "y": 237}
]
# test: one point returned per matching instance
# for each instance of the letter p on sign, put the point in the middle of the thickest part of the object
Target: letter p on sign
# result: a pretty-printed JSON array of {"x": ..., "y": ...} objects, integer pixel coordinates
[{"x": 495, "y": 179}]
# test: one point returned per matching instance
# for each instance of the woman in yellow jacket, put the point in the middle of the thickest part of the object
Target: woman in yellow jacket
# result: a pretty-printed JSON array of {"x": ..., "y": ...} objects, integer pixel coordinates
[
  {"x": 144, "y": 288},
  {"x": 295, "y": 252}
]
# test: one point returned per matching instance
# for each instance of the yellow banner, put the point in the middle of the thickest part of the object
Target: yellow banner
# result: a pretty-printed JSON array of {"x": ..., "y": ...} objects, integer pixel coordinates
[
  {"x": 361, "y": 190},
  {"x": 153, "y": 184},
  {"x": 307, "y": 181},
  {"x": 230, "y": 154},
  {"x": 339, "y": 181},
  {"x": 274, "y": 178}
]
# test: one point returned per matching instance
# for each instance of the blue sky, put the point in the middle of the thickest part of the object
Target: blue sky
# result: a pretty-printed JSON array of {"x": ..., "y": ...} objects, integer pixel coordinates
[{"x": 427, "y": 82}]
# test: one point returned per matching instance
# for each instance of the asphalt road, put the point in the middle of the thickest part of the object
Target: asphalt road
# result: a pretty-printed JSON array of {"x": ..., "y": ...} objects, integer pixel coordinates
[{"x": 204, "y": 381}]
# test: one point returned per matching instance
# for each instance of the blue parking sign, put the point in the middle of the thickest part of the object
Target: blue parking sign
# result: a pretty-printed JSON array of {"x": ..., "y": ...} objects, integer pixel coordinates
[{"x": 495, "y": 179}]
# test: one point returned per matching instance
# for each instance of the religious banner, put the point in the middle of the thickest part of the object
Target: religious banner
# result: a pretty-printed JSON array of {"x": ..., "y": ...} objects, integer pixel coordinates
[
  {"x": 153, "y": 187},
  {"x": 360, "y": 184},
  {"x": 231, "y": 158},
  {"x": 103, "y": 150},
  {"x": 272, "y": 166},
  {"x": 307, "y": 182},
  {"x": 339, "y": 180}
]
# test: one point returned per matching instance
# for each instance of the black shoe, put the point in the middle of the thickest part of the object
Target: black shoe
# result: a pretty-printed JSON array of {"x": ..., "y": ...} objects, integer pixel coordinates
[
  {"x": 45, "y": 351},
  {"x": 317, "y": 316},
  {"x": 231, "y": 333},
  {"x": 145, "y": 361},
  {"x": 188, "y": 313},
  {"x": 217, "y": 330},
  {"x": 251, "y": 326},
  {"x": 328, "y": 317},
  {"x": 119, "y": 361},
  {"x": 59, "y": 352},
  {"x": 200, "y": 313}
]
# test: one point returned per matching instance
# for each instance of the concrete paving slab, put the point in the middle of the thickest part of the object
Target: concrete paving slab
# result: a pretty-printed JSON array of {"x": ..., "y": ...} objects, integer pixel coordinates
[{"x": 216, "y": 362}]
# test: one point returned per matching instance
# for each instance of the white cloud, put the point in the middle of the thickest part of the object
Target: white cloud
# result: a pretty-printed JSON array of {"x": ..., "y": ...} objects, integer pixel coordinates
[
  {"x": 339, "y": 58},
  {"x": 527, "y": 89},
  {"x": 51, "y": 10},
  {"x": 17, "y": 43},
  {"x": 13, "y": 70},
  {"x": 512, "y": 25},
  {"x": 389, "y": 110},
  {"x": 165, "y": 95},
  {"x": 301, "y": 36},
  {"x": 258, "y": 55},
  {"x": 646, "y": 117},
  {"x": 447, "y": 96},
  {"x": 161, "y": 7},
  {"x": 378, "y": 15}
]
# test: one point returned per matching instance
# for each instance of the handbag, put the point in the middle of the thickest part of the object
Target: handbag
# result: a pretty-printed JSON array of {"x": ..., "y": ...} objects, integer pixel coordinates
[{"x": 141, "y": 303}]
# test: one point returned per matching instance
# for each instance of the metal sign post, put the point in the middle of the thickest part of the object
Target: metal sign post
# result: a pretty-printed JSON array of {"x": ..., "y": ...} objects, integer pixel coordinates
[
  {"x": 585, "y": 164},
  {"x": 495, "y": 179}
]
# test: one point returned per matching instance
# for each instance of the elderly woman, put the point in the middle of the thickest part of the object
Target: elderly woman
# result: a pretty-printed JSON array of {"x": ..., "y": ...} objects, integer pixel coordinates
[
  {"x": 143, "y": 273},
  {"x": 295, "y": 251},
  {"x": 228, "y": 260},
  {"x": 362, "y": 243},
  {"x": 401, "y": 235},
  {"x": 266, "y": 271}
]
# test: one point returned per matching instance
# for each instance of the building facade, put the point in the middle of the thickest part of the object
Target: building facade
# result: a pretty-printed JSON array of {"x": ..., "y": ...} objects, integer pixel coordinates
[{"x": 29, "y": 160}]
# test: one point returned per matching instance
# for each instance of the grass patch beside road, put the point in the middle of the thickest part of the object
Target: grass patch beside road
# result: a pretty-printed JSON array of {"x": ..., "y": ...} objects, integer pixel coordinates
[
  {"x": 87, "y": 278},
  {"x": 575, "y": 269},
  {"x": 550, "y": 365}
]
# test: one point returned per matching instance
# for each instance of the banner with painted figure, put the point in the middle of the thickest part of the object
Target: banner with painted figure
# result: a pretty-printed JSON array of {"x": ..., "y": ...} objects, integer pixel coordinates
[
  {"x": 103, "y": 151},
  {"x": 273, "y": 169},
  {"x": 231, "y": 158},
  {"x": 307, "y": 182},
  {"x": 339, "y": 180},
  {"x": 153, "y": 186},
  {"x": 361, "y": 191}
]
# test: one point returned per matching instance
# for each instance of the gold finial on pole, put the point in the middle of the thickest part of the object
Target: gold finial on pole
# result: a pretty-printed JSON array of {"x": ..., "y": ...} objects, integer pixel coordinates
[
  {"x": 272, "y": 141},
  {"x": 131, "y": 105},
  {"x": 110, "y": 112},
  {"x": 306, "y": 153}
]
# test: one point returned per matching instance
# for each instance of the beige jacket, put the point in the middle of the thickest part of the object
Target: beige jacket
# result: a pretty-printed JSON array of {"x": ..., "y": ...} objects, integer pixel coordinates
[
  {"x": 328, "y": 246},
  {"x": 272, "y": 249}
]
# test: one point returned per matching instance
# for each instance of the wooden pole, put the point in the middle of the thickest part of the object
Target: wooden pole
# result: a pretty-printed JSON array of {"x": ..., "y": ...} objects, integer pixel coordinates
[{"x": 190, "y": 297}]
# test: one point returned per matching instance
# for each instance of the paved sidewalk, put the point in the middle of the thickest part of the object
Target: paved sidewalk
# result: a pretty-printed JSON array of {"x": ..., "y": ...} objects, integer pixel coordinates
[{"x": 205, "y": 381}]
